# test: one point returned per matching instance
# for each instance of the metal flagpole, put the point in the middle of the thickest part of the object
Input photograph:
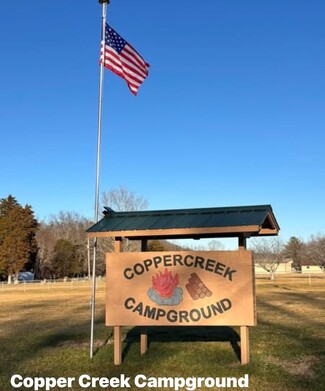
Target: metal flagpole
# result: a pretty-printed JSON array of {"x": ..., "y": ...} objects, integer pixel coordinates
[{"x": 99, "y": 134}]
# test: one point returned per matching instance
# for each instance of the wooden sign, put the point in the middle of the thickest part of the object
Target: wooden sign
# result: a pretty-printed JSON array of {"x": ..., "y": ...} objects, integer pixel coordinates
[{"x": 180, "y": 288}]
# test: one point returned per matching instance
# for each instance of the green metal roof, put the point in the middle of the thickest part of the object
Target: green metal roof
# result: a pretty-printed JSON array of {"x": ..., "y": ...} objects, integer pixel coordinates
[{"x": 157, "y": 222}]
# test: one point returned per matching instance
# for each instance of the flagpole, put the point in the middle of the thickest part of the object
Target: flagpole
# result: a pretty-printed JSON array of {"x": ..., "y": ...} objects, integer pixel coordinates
[{"x": 99, "y": 136}]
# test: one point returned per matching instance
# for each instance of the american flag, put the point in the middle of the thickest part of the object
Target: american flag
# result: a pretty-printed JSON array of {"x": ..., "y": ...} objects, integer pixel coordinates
[{"x": 121, "y": 58}]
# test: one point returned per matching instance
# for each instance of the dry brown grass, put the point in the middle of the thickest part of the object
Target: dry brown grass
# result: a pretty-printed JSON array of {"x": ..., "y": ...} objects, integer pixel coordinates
[{"x": 44, "y": 331}]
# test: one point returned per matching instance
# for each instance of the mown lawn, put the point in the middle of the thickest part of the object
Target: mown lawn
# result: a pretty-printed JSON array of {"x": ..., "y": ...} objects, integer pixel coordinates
[{"x": 44, "y": 331}]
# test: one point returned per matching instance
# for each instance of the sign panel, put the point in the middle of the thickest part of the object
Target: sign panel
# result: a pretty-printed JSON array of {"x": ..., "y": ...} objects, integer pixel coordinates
[{"x": 180, "y": 288}]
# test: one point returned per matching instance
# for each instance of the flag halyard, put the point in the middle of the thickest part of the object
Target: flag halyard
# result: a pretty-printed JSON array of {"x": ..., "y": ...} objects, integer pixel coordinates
[{"x": 122, "y": 59}]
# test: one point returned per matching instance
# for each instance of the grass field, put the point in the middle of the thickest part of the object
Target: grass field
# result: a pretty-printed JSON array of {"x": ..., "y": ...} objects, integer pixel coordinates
[{"x": 44, "y": 331}]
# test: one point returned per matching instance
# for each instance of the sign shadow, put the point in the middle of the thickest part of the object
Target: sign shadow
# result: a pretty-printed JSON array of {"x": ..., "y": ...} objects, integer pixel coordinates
[{"x": 183, "y": 334}]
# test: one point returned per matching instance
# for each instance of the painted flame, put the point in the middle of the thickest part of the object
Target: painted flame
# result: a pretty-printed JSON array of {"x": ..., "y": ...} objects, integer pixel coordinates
[{"x": 165, "y": 283}]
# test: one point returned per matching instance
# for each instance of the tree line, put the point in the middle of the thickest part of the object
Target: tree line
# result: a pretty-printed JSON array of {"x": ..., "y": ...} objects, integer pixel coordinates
[
  {"x": 50, "y": 249},
  {"x": 269, "y": 253},
  {"x": 58, "y": 246}
]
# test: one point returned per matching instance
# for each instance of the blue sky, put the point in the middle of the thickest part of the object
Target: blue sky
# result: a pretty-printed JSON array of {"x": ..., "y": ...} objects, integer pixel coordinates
[{"x": 233, "y": 111}]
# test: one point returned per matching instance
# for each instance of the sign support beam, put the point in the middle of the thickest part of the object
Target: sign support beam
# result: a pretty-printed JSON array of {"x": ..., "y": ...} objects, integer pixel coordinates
[
  {"x": 244, "y": 345},
  {"x": 244, "y": 330},
  {"x": 117, "y": 329},
  {"x": 117, "y": 345},
  {"x": 144, "y": 332}
]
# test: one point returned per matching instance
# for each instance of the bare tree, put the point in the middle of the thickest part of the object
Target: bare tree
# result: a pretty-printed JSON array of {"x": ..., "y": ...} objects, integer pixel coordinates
[
  {"x": 315, "y": 251},
  {"x": 68, "y": 226},
  {"x": 212, "y": 245},
  {"x": 121, "y": 200},
  {"x": 215, "y": 245},
  {"x": 71, "y": 228},
  {"x": 268, "y": 254}
]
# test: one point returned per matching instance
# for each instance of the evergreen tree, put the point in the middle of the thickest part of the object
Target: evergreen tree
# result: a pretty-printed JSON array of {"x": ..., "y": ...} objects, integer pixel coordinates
[
  {"x": 18, "y": 228},
  {"x": 64, "y": 260},
  {"x": 293, "y": 250},
  {"x": 7, "y": 205}
]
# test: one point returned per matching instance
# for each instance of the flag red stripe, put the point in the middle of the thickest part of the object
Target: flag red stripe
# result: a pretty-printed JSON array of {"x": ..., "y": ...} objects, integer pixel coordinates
[
  {"x": 131, "y": 65},
  {"x": 118, "y": 71},
  {"x": 121, "y": 72},
  {"x": 123, "y": 62},
  {"x": 123, "y": 65},
  {"x": 133, "y": 54}
]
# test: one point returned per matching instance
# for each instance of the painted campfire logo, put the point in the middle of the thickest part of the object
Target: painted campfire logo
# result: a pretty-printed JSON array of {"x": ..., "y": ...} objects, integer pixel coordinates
[{"x": 165, "y": 289}]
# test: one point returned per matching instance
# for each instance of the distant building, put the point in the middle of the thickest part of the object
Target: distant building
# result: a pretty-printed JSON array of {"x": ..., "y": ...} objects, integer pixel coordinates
[
  {"x": 308, "y": 267},
  {"x": 284, "y": 267}
]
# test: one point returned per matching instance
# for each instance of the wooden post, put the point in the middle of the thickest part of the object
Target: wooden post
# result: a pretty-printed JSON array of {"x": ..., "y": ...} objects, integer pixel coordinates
[
  {"x": 117, "y": 345},
  {"x": 143, "y": 341},
  {"x": 244, "y": 330},
  {"x": 144, "y": 333},
  {"x": 242, "y": 242},
  {"x": 117, "y": 329},
  {"x": 117, "y": 245},
  {"x": 244, "y": 345}
]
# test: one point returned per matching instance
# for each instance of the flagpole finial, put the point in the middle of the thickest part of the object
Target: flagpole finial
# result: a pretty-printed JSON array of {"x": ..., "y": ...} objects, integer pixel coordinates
[{"x": 103, "y": 1}]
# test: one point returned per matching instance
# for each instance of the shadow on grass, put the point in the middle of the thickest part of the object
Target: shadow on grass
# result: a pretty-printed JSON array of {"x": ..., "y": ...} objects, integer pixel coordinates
[
  {"x": 183, "y": 334},
  {"x": 291, "y": 313},
  {"x": 37, "y": 334},
  {"x": 296, "y": 295}
]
